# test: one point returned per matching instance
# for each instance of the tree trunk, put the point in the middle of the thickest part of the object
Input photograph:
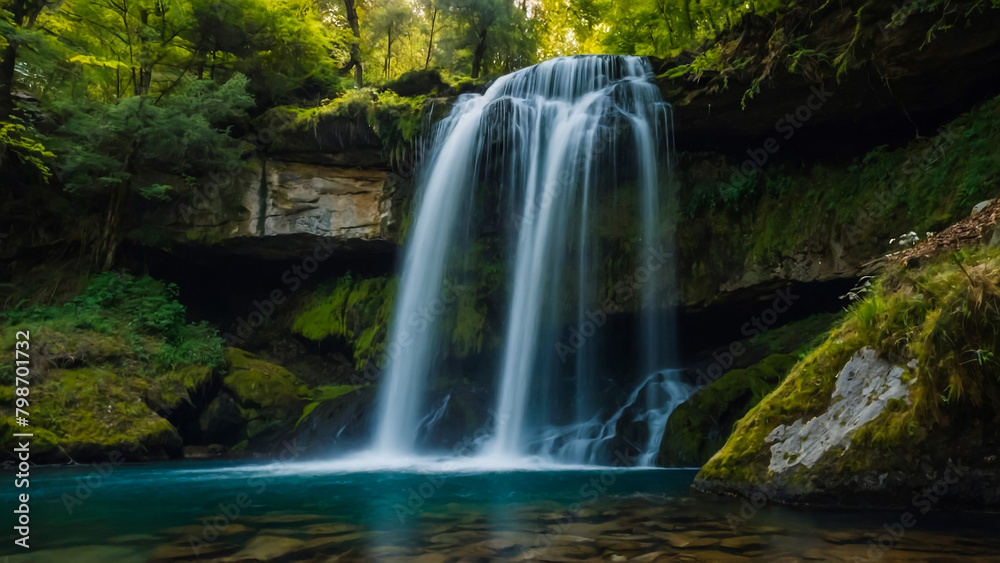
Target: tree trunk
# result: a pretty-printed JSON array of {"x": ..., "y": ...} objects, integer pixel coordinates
[
  {"x": 355, "y": 62},
  {"x": 388, "y": 54},
  {"x": 430, "y": 42},
  {"x": 7, "y": 68},
  {"x": 477, "y": 56},
  {"x": 688, "y": 20},
  {"x": 9, "y": 65},
  {"x": 107, "y": 248}
]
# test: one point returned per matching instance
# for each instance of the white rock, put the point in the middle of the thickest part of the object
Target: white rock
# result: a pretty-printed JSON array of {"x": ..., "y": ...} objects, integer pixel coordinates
[
  {"x": 981, "y": 205},
  {"x": 864, "y": 388}
]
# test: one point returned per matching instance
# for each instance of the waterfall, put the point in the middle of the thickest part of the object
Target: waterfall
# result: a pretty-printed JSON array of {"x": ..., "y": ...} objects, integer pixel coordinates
[{"x": 552, "y": 140}]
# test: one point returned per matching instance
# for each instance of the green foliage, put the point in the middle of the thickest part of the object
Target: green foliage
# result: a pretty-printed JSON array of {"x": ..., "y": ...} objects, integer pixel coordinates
[
  {"x": 924, "y": 186},
  {"x": 489, "y": 36},
  {"x": 665, "y": 27},
  {"x": 398, "y": 121},
  {"x": 285, "y": 47},
  {"x": 111, "y": 359},
  {"x": 102, "y": 145},
  {"x": 156, "y": 192},
  {"x": 135, "y": 319},
  {"x": 19, "y": 141}
]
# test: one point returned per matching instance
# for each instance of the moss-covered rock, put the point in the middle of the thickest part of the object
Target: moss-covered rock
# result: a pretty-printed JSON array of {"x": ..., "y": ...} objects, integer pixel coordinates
[
  {"x": 85, "y": 414},
  {"x": 700, "y": 426},
  {"x": 222, "y": 421},
  {"x": 938, "y": 326},
  {"x": 270, "y": 398},
  {"x": 119, "y": 361},
  {"x": 355, "y": 309},
  {"x": 338, "y": 417},
  {"x": 420, "y": 83},
  {"x": 179, "y": 386}
]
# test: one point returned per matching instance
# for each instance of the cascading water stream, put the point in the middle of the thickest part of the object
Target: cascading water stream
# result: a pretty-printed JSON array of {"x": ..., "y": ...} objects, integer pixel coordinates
[{"x": 552, "y": 139}]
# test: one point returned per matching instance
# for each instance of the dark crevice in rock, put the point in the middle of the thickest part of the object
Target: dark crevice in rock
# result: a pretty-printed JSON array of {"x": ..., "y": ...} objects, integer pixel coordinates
[{"x": 262, "y": 192}]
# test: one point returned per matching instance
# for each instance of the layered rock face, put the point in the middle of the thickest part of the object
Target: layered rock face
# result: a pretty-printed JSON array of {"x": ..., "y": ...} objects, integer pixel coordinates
[
  {"x": 332, "y": 182},
  {"x": 323, "y": 201}
]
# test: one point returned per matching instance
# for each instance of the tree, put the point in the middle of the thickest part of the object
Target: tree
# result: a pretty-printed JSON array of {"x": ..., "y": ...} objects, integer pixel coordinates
[
  {"x": 431, "y": 10},
  {"x": 282, "y": 46},
  {"x": 355, "y": 60},
  {"x": 494, "y": 31},
  {"x": 476, "y": 19},
  {"x": 126, "y": 45},
  {"x": 392, "y": 20},
  {"x": 17, "y": 18},
  {"x": 102, "y": 148}
]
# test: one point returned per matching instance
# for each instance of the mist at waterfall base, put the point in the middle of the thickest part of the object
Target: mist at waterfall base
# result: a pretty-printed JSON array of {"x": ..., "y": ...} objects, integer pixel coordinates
[{"x": 532, "y": 164}]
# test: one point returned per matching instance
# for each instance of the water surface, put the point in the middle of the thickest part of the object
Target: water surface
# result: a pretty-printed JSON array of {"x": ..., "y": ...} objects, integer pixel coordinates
[{"x": 240, "y": 511}]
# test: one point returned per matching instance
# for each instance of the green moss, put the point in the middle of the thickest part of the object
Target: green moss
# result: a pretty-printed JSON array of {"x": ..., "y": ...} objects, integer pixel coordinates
[
  {"x": 700, "y": 426},
  {"x": 328, "y": 392},
  {"x": 798, "y": 337},
  {"x": 323, "y": 394},
  {"x": 307, "y": 411},
  {"x": 397, "y": 120},
  {"x": 94, "y": 408},
  {"x": 270, "y": 389},
  {"x": 128, "y": 352},
  {"x": 805, "y": 392},
  {"x": 942, "y": 317},
  {"x": 175, "y": 387},
  {"x": 922, "y": 187},
  {"x": 355, "y": 309}
]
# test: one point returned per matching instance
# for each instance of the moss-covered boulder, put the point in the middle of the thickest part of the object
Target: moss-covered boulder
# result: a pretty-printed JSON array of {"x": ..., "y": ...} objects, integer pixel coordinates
[
  {"x": 178, "y": 387},
  {"x": 902, "y": 398},
  {"x": 113, "y": 370},
  {"x": 222, "y": 421},
  {"x": 269, "y": 397},
  {"x": 420, "y": 83},
  {"x": 700, "y": 426},
  {"x": 86, "y": 414}
]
